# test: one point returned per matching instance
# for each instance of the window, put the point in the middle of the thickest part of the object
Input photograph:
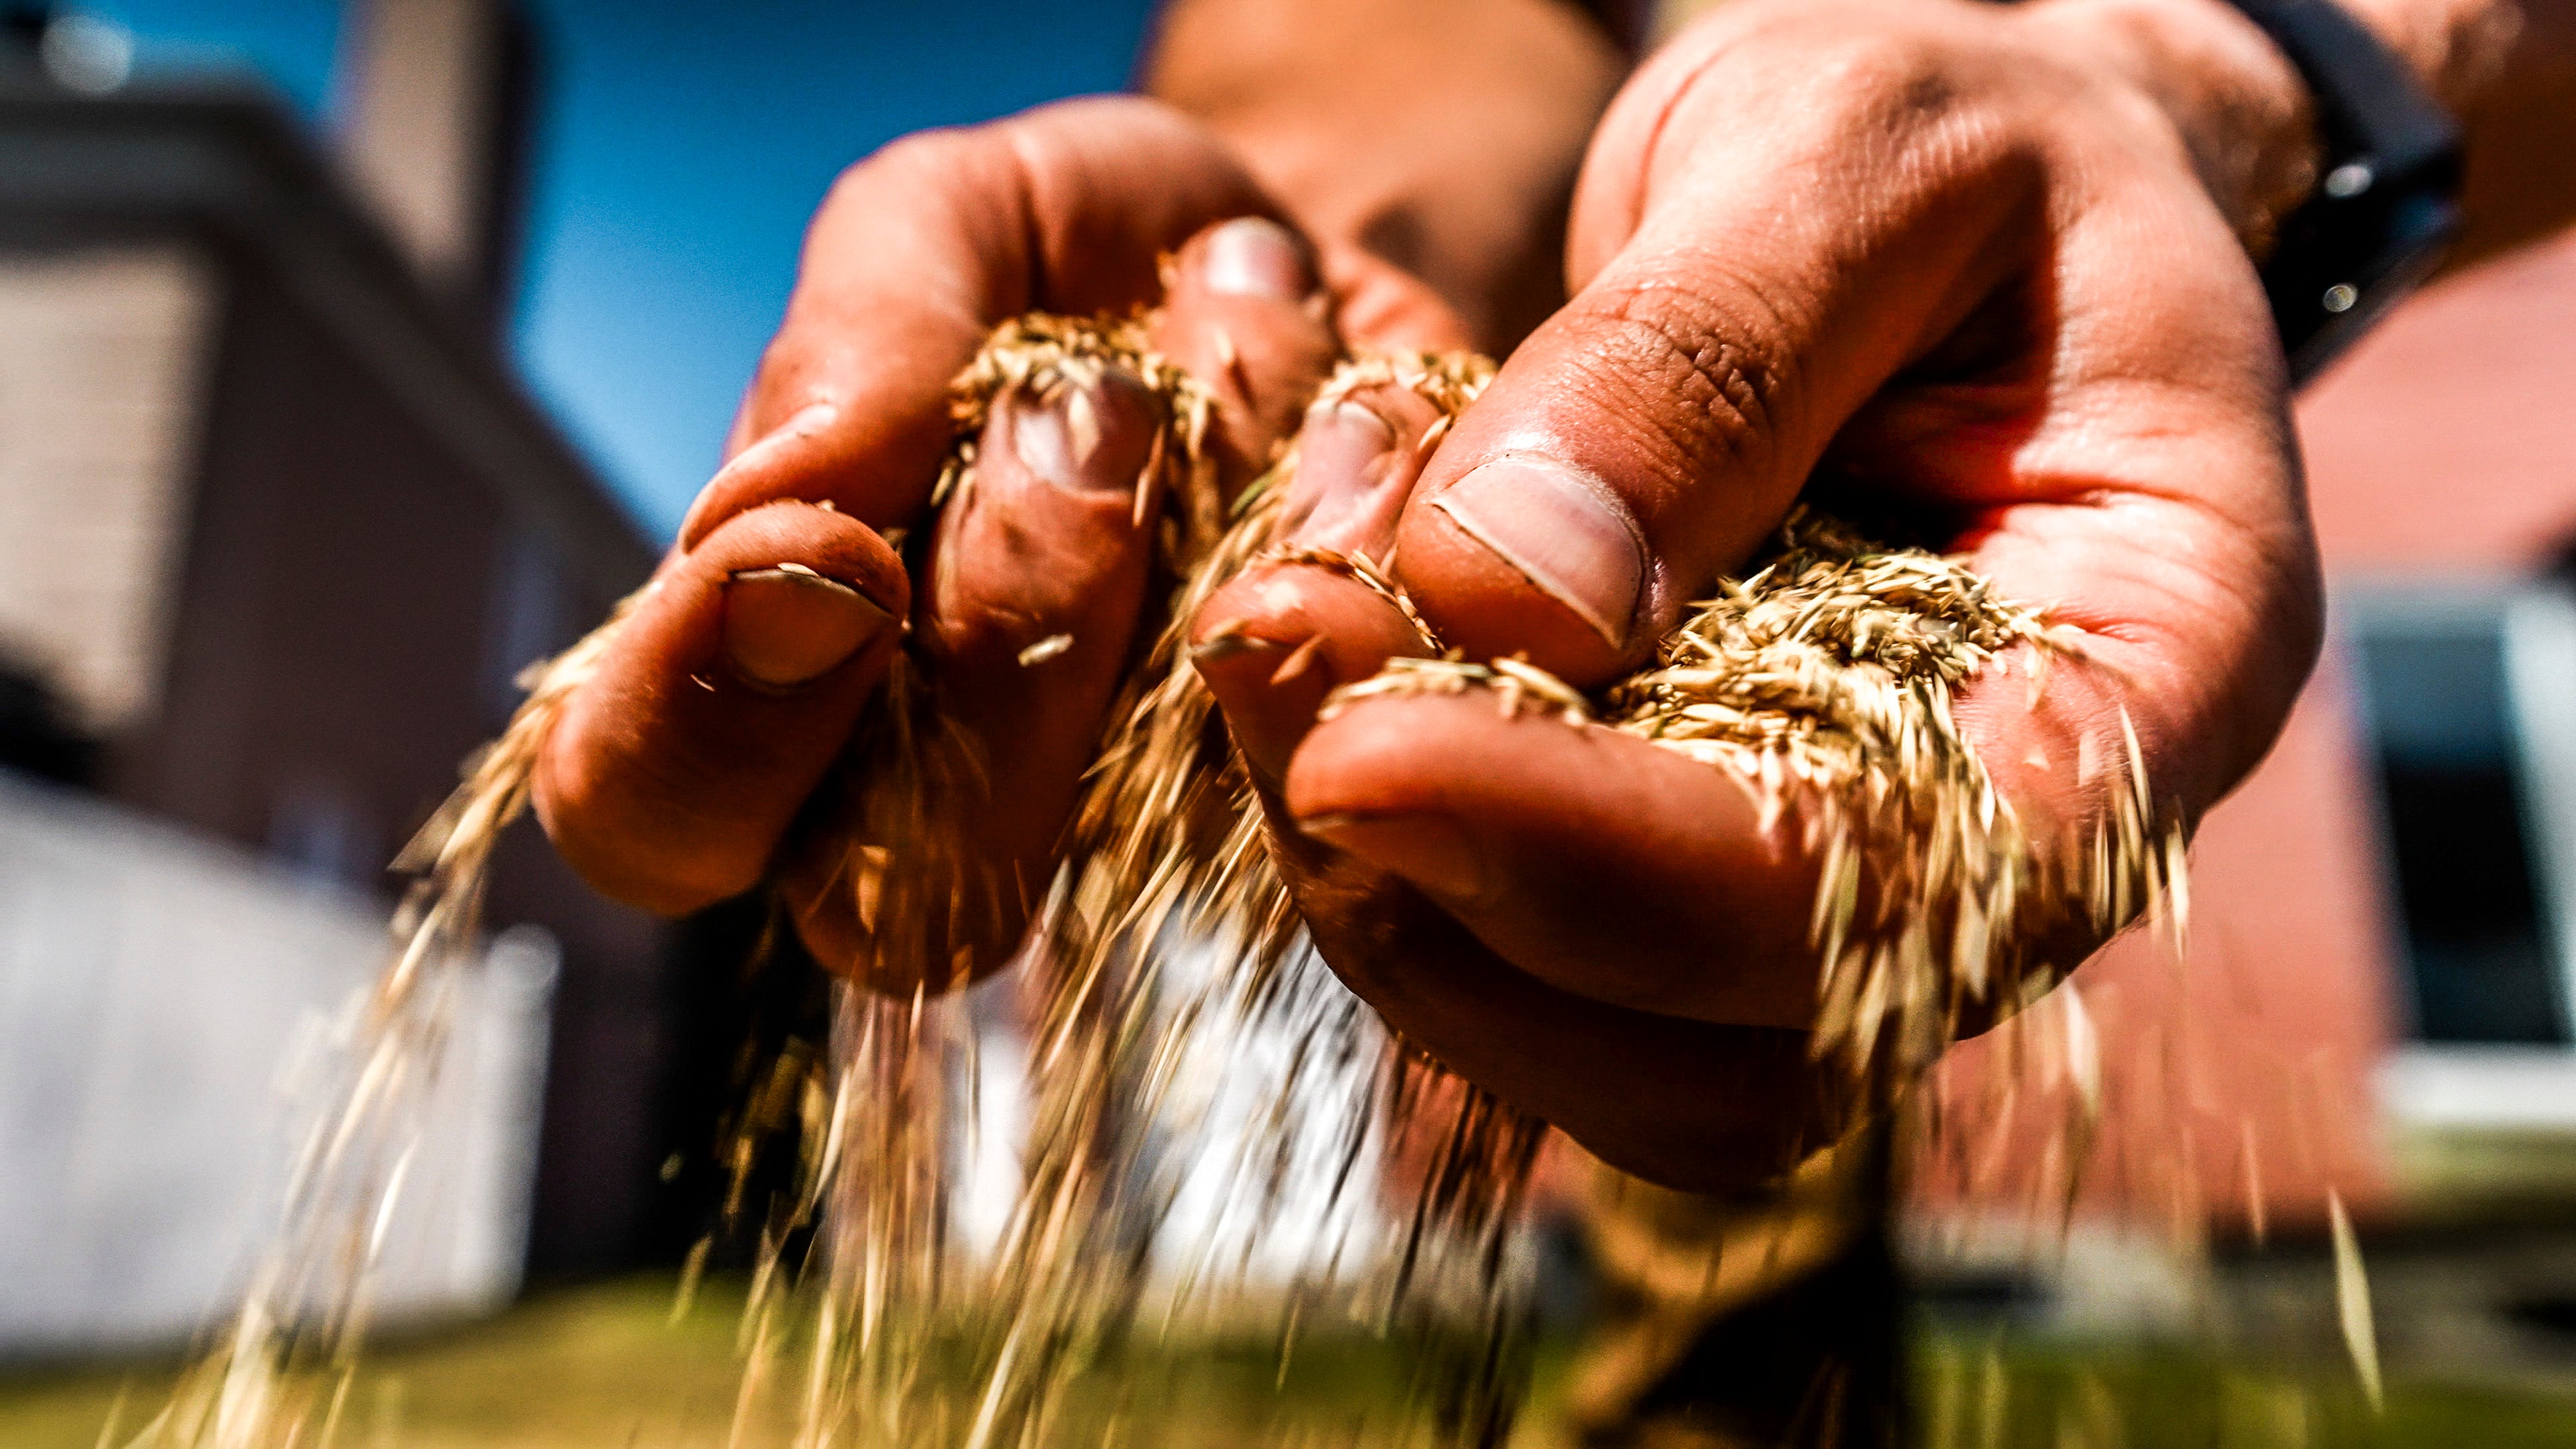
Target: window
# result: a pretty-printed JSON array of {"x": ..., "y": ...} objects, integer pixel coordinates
[
  {"x": 2444, "y": 685},
  {"x": 2467, "y": 700}
]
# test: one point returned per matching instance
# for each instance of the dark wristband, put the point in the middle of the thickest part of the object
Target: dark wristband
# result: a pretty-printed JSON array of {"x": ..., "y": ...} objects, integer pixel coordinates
[{"x": 2387, "y": 201}]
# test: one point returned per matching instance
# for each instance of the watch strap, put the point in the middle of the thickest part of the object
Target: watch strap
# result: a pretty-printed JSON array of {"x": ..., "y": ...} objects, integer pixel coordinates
[{"x": 2386, "y": 204}]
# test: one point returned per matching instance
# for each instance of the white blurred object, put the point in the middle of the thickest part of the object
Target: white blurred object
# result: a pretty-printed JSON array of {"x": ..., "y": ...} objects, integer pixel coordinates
[
  {"x": 159, "y": 995},
  {"x": 87, "y": 54},
  {"x": 2095, "y": 1278},
  {"x": 2479, "y": 1085}
]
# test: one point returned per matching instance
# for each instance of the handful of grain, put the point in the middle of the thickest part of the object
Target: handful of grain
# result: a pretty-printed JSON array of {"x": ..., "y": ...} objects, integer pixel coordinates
[{"x": 1825, "y": 677}]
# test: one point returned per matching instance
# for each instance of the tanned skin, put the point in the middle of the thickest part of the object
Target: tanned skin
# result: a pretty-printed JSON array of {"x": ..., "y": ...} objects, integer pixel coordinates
[{"x": 1992, "y": 263}]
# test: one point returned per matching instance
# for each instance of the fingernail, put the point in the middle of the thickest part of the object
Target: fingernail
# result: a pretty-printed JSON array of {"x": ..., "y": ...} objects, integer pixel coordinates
[
  {"x": 1564, "y": 531},
  {"x": 1335, "y": 450},
  {"x": 1428, "y": 850},
  {"x": 1253, "y": 256},
  {"x": 1059, "y": 439},
  {"x": 789, "y": 626}
]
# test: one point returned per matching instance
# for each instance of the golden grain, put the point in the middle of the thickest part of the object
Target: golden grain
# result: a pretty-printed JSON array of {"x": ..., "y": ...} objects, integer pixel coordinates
[{"x": 1824, "y": 678}]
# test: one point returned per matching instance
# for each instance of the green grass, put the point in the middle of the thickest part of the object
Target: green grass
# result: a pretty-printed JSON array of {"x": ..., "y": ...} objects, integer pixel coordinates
[
  {"x": 600, "y": 1365},
  {"x": 1988, "y": 1394},
  {"x": 605, "y": 1366}
]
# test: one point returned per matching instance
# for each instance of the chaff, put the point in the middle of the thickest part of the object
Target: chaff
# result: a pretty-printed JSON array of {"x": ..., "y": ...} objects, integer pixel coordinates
[{"x": 1826, "y": 677}]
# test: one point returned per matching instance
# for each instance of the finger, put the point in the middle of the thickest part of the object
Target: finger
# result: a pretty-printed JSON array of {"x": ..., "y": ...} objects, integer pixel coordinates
[
  {"x": 1651, "y": 435},
  {"x": 1593, "y": 860},
  {"x": 1037, "y": 576},
  {"x": 2135, "y": 479},
  {"x": 1247, "y": 316},
  {"x": 1696, "y": 1106},
  {"x": 920, "y": 251},
  {"x": 1274, "y": 642},
  {"x": 1383, "y": 306},
  {"x": 723, "y": 699},
  {"x": 1041, "y": 566},
  {"x": 1359, "y": 454}
]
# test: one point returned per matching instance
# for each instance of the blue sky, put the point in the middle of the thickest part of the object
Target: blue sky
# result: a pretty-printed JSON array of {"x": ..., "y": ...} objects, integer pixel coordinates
[{"x": 679, "y": 150}]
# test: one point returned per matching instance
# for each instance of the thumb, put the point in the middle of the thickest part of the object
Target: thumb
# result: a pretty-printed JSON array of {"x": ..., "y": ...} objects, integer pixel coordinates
[{"x": 1791, "y": 252}]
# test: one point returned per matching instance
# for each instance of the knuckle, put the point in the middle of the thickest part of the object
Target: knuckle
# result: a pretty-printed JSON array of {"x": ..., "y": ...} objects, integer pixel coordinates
[
  {"x": 1691, "y": 367},
  {"x": 1846, "y": 58},
  {"x": 928, "y": 154},
  {"x": 1899, "y": 68},
  {"x": 1846, "y": 88},
  {"x": 1913, "y": 102}
]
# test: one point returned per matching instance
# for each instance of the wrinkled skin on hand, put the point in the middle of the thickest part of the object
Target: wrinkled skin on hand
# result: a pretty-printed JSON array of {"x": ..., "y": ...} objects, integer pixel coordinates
[
  {"x": 1934, "y": 256},
  {"x": 1941, "y": 256},
  {"x": 679, "y": 773}
]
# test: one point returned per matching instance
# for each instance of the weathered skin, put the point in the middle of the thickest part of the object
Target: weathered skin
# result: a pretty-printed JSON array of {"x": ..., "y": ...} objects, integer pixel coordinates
[{"x": 1990, "y": 262}]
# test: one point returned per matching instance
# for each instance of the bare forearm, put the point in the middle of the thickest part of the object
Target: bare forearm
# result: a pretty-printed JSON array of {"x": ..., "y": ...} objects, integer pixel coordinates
[
  {"x": 1440, "y": 135},
  {"x": 2507, "y": 69}
]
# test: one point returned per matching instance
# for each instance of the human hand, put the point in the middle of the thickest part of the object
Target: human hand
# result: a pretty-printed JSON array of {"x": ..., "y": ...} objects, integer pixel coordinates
[
  {"x": 685, "y": 770},
  {"x": 1986, "y": 265}
]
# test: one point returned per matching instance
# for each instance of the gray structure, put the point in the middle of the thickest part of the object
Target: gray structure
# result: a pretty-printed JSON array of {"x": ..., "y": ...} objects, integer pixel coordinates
[
  {"x": 278, "y": 526},
  {"x": 174, "y": 1016}
]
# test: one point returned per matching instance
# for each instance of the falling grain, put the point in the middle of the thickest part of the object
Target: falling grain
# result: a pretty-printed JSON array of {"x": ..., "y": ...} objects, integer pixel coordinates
[
  {"x": 2352, "y": 1302},
  {"x": 1825, "y": 677},
  {"x": 1045, "y": 649}
]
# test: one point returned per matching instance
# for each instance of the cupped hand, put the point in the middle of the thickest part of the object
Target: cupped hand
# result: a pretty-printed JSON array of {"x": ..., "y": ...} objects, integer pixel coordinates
[
  {"x": 687, "y": 769},
  {"x": 1986, "y": 265}
]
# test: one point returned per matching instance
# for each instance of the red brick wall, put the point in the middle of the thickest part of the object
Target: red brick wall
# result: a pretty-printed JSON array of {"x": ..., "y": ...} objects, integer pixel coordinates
[{"x": 2444, "y": 444}]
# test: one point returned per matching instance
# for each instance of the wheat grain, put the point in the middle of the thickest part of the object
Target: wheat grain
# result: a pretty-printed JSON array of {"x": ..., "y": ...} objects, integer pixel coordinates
[{"x": 1825, "y": 676}]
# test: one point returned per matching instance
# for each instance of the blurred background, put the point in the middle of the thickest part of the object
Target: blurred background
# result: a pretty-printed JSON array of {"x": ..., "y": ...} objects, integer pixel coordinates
[{"x": 354, "y": 355}]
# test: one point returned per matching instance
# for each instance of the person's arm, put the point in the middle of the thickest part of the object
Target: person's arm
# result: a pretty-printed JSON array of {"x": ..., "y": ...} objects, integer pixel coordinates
[
  {"x": 1441, "y": 136},
  {"x": 2507, "y": 70}
]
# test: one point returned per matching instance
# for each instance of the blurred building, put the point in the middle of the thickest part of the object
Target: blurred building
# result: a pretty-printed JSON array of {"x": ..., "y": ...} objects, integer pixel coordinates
[
  {"x": 2378, "y": 1002},
  {"x": 279, "y": 525},
  {"x": 2443, "y": 467}
]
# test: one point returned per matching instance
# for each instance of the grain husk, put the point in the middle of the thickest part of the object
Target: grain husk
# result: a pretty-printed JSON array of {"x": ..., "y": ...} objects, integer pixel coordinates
[{"x": 1825, "y": 677}]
